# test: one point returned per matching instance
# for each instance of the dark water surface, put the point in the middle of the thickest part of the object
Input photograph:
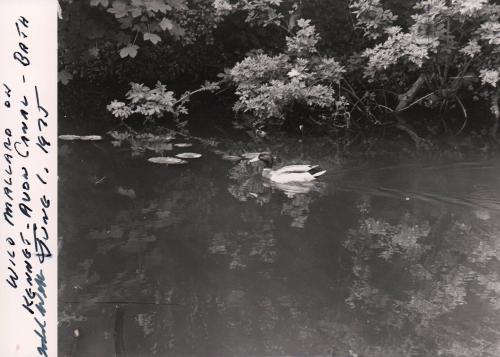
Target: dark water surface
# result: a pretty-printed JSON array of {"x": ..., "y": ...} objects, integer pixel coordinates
[{"x": 396, "y": 258}]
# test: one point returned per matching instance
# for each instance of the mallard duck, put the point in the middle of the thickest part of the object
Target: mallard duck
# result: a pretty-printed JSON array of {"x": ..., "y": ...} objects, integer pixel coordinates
[{"x": 288, "y": 174}]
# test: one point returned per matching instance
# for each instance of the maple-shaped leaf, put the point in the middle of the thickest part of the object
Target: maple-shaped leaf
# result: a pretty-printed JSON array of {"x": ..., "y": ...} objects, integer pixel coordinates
[
  {"x": 130, "y": 50},
  {"x": 64, "y": 77},
  {"x": 177, "y": 31},
  {"x": 158, "y": 6},
  {"x": 154, "y": 38},
  {"x": 104, "y": 3},
  {"x": 119, "y": 9},
  {"x": 166, "y": 24}
]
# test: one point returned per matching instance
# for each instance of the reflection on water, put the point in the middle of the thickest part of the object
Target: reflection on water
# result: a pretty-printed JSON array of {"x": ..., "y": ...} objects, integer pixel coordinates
[{"x": 208, "y": 259}]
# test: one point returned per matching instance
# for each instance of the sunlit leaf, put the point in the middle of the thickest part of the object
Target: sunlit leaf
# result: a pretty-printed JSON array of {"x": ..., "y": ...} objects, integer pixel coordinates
[
  {"x": 167, "y": 160},
  {"x": 154, "y": 38},
  {"x": 80, "y": 137},
  {"x": 119, "y": 9},
  {"x": 233, "y": 158},
  {"x": 183, "y": 145},
  {"x": 69, "y": 137},
  {"x": 158, "y": 6},
  {"x": 91, "y": 137},
  {"x": 188, "y": 155},
  {"x": 130, "y": 50},
  {"x": 166, "y": 24},
  {"x": 250, "y": 155}
]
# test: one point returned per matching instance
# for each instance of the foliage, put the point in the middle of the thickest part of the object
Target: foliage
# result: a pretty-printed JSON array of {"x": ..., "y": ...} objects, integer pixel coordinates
[
  {"x": 446, "y": 52},
  {"x": 444, "y": 256},
  {"x": 389, "y": 58},
  {"x": 269, "y": 86},
  {"x": 99, "y": 38},
  {"x": 153, "y": 102},
  {"x": 371, "y": 17},
  {"x": 448, "y": 44},
  {"x": 146, "y": 101},
  {"x": 259, "y": 12}
]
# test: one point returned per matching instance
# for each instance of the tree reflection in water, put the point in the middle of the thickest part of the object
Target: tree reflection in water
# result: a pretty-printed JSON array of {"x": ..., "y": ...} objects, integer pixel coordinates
[{"x": 210, "y": 260}]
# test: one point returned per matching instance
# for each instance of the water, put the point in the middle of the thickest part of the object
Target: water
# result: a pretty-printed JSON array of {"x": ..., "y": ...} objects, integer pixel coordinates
[{"x": 381, "y": 258}]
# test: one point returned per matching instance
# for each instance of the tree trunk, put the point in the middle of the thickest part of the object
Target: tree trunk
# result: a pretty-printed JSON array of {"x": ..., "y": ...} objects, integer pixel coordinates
[{"x": 406, "y": 98}]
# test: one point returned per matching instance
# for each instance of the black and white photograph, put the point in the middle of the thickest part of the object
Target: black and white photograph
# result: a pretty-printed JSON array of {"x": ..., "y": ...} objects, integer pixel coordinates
[{"x": 270, "y": 178}]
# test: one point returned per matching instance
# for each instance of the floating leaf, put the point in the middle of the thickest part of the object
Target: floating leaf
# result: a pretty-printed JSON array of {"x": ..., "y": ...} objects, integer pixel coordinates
[
  {"x": 233, "y": 158},
  {"x": 69, "y": 137},
  {"x": 167, "y": 160},
  {"x": 91, "y": 137},
  {"x": 188, "y": 155},
  {"x": 250, "y": 155},
  {"x": 166, "y": 24},
  {"x": 129, "y": 50},
  {"x": 154, "y": 38},
  {"x": 80, "y": 137},
  {"x": 183, "y": 145}
]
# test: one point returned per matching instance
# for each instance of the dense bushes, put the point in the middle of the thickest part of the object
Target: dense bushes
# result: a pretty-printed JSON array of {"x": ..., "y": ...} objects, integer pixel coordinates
[{"x": 343, "y": 63}]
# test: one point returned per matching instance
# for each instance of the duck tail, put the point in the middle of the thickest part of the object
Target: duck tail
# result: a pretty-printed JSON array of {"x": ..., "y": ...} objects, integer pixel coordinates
[
  {"x": 316, "y": 171},
  {"x": 317, "y": 174}
]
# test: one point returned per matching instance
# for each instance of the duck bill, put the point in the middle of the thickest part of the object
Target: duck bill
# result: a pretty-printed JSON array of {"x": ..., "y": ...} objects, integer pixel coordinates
[{"x": 255, "y": 159}]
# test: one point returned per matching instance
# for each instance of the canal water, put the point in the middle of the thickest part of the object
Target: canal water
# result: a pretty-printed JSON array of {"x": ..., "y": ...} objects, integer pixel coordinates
[{"x": 380, "y": 257}]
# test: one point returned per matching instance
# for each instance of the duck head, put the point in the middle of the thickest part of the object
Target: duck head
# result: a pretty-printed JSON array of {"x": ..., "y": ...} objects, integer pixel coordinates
[{"x": 266, "y": 158}]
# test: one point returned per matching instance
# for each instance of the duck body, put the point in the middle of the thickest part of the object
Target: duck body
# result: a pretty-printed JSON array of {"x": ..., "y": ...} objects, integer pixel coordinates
[{"x": 290, "y": 173}]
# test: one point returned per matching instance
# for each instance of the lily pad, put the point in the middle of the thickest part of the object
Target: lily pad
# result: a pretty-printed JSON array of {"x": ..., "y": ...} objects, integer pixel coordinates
[
  {"x": 69, "y": 137},
  {"x": 80, "y": 137},
  {"x": 188, "y": 155},
  {"x": 91, "y": 137},
  {"x": 250, "y": 155},
  {"x": 233, "y": 158},
  {"x": 183, "y": 145},
  {"x": 167, "y": 160}
]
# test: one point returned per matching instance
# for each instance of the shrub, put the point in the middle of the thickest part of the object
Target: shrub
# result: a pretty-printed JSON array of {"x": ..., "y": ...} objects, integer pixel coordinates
[{"x": 269, "y": 86}]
